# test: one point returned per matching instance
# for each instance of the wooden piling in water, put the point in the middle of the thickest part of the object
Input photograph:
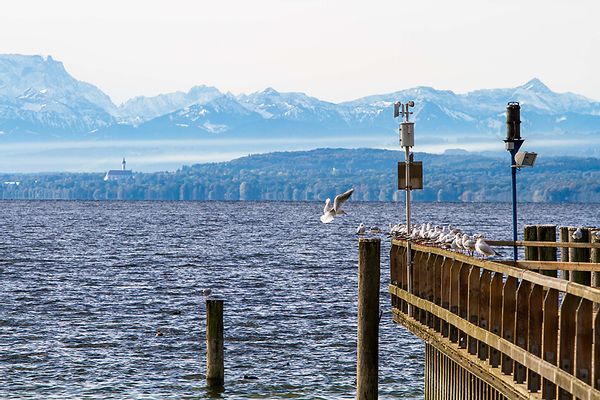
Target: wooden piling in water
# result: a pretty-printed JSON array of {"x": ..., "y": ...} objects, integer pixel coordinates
[
  {"x": 215, "y": 370},
  {"x": 547, "y": 233},
  {"x": 530, "y": 235},
  {"x": 367, "y": 360},
  {"x": 580, "y": 255},
  {"x": 564, "y": 252}
]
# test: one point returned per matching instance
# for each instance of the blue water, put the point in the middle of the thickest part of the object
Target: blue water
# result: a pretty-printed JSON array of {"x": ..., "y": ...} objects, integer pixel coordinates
[{"x": 85, "y": 286}]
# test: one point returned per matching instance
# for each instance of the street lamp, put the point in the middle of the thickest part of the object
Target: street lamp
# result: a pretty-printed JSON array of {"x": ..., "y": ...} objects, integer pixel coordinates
[{"x": 513, "y": 143}]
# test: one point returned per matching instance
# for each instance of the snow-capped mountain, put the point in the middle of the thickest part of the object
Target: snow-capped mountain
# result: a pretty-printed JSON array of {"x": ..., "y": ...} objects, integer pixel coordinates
[
  {"x": 39, "y": 100},
  {"x": 221, "y": 114},
  {"x": 38, "y": 97},
  {"x": 141, "y": 109}
]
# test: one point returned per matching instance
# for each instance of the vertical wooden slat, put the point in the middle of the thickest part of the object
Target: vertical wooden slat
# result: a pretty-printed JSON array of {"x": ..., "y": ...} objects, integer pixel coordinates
[
  {"x": 521, "y": 326},
  {"x": 416, "y": 281},
  {"x": 496, "y": 314},
  {"x": 426, "y": 373},
  {"x": 509, "y": 297},
  {"x": 446, "y": 271},
  {"x": 584, "y": 339},
  {"x": 393, "y": 265},
  {"x": 564, "y": 251},
  {"x": 550, "y": 339},
  {"x": 430, "y": 286},
  {"x": 454, "y": 296},
  {"x": 536, "y": 321},
  {"x": 473, "y": 305},
  {"x": 597, "y": 351},
  {"x": 484, "y": 309},
  {"x": 463, "y": 300},
  {"x": 437, "y": 288},
  {"x": 567, "y": 328},
  {"x": 595, "y": 258},
  {"x": 401, "y": 258}
]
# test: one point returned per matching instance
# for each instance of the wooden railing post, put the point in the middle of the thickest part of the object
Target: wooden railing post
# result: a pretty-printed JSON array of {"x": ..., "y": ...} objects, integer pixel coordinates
[{"x": 367, "y": 360}]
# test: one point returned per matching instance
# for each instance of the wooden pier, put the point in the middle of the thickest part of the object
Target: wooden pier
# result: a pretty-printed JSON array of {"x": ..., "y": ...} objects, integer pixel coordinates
[{"x": 503, "y": 330}]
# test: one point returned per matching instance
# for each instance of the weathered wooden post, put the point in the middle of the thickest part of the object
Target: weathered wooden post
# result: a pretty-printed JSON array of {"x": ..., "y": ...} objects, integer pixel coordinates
[
  {"x": 547, "y": 233},
  {"x": 564, "y": 251},
  {"x": 215, "y": 370},
  {"x": 367, "y": 360},
  {"x": 530, "y": 235},
  {"x": 580, "y": 255}
]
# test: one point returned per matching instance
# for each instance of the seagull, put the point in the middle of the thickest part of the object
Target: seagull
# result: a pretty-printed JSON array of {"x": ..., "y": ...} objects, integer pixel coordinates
[
  {"x": 578, "y": 234},
  {"x": 206, "y": 293},
  {"x": 597, "y": 234},
  {"x": 361, "y": 229},
  {"x": 485, "y": 249},
  {"x": 331, "y": 210},
  {"x": 468, "y": 244}
]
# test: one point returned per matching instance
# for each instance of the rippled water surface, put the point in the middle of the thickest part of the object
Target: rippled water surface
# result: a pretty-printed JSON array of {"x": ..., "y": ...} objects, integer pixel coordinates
[{"x": 85, "y": 286}]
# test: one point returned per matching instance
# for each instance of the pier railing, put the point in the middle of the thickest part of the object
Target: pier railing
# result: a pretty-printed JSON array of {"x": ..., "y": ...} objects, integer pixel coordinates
[{"x": 496, "y": 330}]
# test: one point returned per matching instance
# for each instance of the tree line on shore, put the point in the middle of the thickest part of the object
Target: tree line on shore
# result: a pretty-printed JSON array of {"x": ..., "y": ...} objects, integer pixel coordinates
[{"x": 318, "y": 174}]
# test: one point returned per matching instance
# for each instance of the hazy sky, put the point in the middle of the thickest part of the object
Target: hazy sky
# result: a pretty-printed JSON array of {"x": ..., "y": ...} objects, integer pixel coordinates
[{"x": 334, "y": 50}]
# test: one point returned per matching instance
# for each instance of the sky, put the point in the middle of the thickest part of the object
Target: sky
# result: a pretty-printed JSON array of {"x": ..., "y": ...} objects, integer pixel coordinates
[{"x": 331, "y": 49}]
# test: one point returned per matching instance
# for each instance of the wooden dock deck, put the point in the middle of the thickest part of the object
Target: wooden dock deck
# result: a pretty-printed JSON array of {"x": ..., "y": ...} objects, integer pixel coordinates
[{"x": 499, "y": 330}]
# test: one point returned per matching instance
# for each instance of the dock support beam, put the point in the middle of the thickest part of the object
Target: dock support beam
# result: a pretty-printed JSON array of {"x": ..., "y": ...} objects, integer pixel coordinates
[
  {"x": 367, "y": 360},
  {"x": 215, "y": 371}
]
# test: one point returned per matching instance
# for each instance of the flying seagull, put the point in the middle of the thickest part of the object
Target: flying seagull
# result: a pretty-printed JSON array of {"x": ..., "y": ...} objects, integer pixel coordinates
[{"x": 331, "y": 210}]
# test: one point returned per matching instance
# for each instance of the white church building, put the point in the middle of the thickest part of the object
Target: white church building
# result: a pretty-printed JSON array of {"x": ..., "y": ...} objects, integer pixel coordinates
[{"x": 118, "y": 174}]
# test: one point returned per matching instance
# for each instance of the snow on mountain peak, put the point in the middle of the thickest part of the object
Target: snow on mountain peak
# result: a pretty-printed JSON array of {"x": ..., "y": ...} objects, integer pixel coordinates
[{"x": 535, "y": 85}]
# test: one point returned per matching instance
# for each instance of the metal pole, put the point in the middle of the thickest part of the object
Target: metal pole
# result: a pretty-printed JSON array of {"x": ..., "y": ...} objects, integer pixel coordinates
[
  {"x": 408, "y": 251},
  {"x": 514, "y": 201}
]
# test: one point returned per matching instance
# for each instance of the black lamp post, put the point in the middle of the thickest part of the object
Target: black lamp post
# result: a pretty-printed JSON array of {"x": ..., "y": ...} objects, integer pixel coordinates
[{"x": 513, "y": 143}]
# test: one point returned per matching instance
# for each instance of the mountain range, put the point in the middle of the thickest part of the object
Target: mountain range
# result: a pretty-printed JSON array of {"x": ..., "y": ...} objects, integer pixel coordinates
[
  {"x": 50, "y": 121},
  {"x": 40, "y": 100}
]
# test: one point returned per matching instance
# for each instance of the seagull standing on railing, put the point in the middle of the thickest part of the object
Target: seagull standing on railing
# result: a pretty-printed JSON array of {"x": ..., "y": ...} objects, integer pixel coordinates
[
  {"x": 485, "y": 249},
  {"x": 578, "y": 234},
  {"x": 597, "y": 234},
  {"x": 468, "y": 244},
  {"x": 331, "y": 210}
]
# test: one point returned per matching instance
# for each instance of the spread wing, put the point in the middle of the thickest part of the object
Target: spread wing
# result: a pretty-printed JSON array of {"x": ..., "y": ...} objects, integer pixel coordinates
[
  {"x": 328, "y": 206},
  {"x": 340, "y": 199}
]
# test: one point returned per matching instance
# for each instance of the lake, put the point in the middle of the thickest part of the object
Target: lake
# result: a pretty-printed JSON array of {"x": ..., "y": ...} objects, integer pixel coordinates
[{"x": 86, "y": 285}]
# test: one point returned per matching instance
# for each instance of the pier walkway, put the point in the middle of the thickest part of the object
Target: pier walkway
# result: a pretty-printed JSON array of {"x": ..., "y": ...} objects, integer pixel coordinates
[{"x": 500, "y": 329}]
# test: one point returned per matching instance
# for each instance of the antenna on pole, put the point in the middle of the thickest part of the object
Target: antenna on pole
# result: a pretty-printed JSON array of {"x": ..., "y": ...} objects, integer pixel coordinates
[{"x": 407, "y": 140}]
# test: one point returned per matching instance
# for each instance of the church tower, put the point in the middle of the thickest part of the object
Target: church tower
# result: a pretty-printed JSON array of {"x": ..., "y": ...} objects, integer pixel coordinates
[{"x": 124, "y": 163}]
